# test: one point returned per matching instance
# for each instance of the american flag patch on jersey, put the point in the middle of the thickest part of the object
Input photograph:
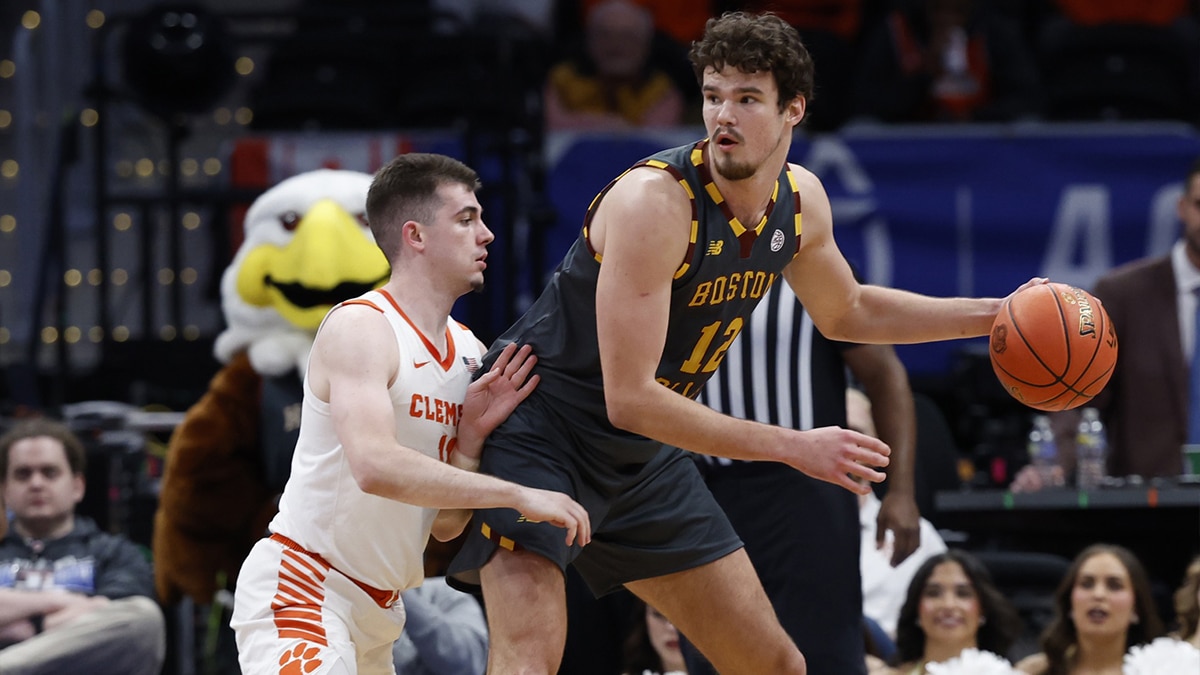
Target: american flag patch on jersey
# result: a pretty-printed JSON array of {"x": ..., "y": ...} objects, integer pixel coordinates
[{"x": 471, "y": 362}]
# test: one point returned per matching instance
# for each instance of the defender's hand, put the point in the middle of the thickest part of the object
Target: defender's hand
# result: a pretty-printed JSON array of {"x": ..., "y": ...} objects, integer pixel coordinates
[
  {"x": 492, "y": 398},
  {"x": 556, "y": 508}
]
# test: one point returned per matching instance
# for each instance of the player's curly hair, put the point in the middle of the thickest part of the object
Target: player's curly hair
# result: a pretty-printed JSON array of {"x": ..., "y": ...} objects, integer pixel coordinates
[{"x": 755, "y": 43}]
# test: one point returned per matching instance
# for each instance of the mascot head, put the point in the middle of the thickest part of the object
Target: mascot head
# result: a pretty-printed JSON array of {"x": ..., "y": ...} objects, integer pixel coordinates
[{"x": 307, "y": 247}]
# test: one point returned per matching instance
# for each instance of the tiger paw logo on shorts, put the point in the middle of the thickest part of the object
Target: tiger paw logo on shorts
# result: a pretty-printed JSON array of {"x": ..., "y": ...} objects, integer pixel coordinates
[{"x": 300, "y": 660}]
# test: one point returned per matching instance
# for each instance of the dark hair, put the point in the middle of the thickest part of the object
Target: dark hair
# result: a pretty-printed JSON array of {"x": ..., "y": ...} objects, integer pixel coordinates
[
  {"x": 406, "y": 189},
  {"x": 638, "y": 653},
  {"x": 1060, "y": 636},
  {"x": 1195, "y": 171},
  {"x": 41, "y": 426},
  {"x": 755, "y": 43},
  {"x": 996, "y": 635},
  {"x": 1187, "y": 606}
]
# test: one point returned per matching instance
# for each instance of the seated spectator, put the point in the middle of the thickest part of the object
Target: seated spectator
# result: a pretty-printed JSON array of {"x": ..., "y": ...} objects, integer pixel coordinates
[
  {"x": 679, "y": 20},
  {"x": 1113, "y": 59},
  {"x": 445, "y": 632},
  {"x": 883, "y": 585},
  {"x": 1103, "y": 607},
  {"x": 652, "y": 647},
  {"x": 952, "y": 606},
  {"x": 946, "y": 60},
  {"x": 615, "y": 84},
  {"x": 72, "y": 598},
  {"x": 1187, "y": 605}
]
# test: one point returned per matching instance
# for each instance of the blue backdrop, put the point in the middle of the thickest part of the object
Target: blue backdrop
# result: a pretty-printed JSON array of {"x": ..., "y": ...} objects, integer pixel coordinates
[{"x": 951, "y": 211}]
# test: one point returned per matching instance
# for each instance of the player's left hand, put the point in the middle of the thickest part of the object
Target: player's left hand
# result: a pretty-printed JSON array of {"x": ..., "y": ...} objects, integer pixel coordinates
[
  {"x": 899, "y": 513},
  {"x": 492, "y": 398},
  {"x": 840, "y": 456}
]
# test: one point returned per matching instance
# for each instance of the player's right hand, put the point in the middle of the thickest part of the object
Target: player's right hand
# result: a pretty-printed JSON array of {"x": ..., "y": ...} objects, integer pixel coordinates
[
  {"x": 556, "y": 508},
  {"x": 839, "y": 456}
]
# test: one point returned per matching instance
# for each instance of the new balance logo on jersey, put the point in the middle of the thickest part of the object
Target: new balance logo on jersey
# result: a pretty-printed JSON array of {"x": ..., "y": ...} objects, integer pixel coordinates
[{"x": 715, "y": 247}]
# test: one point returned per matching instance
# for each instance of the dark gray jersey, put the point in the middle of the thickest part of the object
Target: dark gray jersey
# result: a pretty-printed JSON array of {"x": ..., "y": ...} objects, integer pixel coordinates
[{"x": 727, "y": 270}]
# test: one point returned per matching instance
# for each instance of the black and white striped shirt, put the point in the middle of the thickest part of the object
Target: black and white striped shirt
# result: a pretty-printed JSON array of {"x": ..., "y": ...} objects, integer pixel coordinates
[{"x": 780, "y": 370}]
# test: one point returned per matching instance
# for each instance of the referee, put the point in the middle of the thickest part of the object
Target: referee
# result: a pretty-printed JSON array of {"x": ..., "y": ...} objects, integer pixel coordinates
[{"x": 802, "y": 534}]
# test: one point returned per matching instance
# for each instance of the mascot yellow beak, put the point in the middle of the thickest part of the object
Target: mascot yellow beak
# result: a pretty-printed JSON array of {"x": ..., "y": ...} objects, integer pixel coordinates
[{"x": 330, "y": 258}]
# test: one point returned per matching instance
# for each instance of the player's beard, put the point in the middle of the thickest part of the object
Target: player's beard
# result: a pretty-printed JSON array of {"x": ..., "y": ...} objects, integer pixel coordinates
[{"x": 731, "y": 170}]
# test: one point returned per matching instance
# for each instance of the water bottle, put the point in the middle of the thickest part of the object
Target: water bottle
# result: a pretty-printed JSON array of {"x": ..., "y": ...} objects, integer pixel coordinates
[
  {"x": 1043, "y": 451},
  {"x": 1091, "y": 451}
]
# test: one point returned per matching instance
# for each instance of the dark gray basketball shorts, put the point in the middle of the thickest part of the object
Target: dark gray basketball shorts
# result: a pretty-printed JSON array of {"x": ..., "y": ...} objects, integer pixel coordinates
[{"x": 650, "y": 510}]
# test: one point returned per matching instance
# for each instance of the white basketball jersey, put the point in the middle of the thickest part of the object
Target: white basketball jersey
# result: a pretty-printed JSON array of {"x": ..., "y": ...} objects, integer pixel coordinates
[{"x": 378, "y": 541}]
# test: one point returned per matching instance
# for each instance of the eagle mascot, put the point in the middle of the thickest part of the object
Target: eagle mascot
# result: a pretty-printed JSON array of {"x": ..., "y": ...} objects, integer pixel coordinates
[{"x": 306, "y": 248}]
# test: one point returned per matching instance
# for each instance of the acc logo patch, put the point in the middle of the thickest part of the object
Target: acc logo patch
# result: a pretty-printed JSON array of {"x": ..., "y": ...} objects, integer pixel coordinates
[{"x": 777, "y": 241}]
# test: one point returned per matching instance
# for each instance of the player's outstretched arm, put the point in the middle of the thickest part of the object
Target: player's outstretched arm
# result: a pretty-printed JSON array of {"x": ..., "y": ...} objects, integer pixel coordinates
[
  {"x": 845, "y": 310},
  {"x": 353, "y": 361}
]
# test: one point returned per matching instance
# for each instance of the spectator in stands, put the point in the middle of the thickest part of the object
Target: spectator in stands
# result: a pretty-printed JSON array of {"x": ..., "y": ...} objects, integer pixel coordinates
[
  {"x": 1187, "y": 605},
  {"x": 445, "y": 632},
  {"x": 679, "y": 20},
  {"x": 952, "y": 606},
  {"x": 652, "y": 646},
  {"x": 615, "y": 84},
  {"x": 1103, "y": 607},
  {"x": 1114, "y": 59},
  {"x": 72, "y": 597},
  {"x": 1153, "y": 303},
  {"x": 946, "y": 60},
  {"x": 884, "y": 579}
]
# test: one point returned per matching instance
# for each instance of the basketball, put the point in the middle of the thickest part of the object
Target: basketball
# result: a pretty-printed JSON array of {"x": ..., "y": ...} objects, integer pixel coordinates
[{"x": 1053, "y": 347}]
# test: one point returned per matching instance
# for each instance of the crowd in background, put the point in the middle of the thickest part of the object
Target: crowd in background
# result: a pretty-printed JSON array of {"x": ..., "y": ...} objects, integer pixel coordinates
[
  {"x": 892, "y": 61},
  {"x": 611, "y": 64}
]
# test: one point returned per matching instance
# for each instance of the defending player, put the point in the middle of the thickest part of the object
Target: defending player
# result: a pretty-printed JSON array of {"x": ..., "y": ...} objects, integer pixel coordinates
[{"x": 390, "y": 433}]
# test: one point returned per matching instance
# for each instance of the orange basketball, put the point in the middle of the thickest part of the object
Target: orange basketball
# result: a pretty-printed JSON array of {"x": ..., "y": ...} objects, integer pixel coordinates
[{"x": 1053, "y": 346}]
